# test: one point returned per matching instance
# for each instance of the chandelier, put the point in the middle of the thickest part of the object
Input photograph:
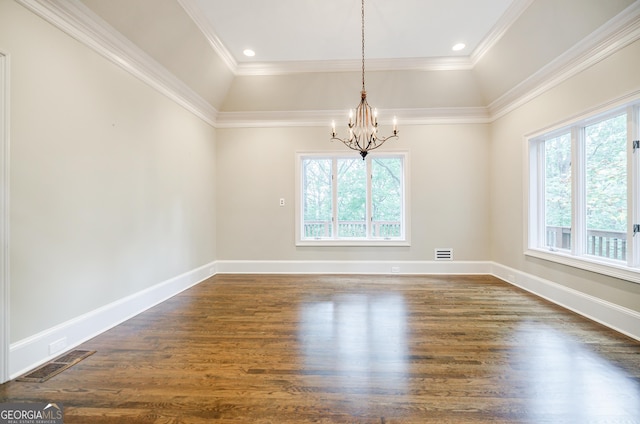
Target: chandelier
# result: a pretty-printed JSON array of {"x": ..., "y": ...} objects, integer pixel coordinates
[{"x": 363, "y": 133}]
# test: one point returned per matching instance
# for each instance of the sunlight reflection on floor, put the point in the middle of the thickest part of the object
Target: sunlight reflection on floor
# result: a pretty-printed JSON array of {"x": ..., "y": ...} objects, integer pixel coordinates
[
  {"x": 357, "y": 337},
  {"x": 568, "y": 379}
]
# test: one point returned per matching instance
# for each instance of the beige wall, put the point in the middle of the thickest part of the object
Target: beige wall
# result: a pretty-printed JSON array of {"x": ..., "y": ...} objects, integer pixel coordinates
[
  {"x": 538, "y": 37},
  {"x": 612, "y": 78},
  {"x": 112, "y": 184},
  {"x": 466, "y": 185},
  {"x": 341, "y": 91},
  {"x": 114, "y": 188},
  {"x": 172, "y": 39},
  {"x": 449, "y": 193}
]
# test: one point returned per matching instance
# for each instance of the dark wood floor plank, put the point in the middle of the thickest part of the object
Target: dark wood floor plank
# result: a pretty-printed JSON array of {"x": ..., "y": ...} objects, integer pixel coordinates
[{"x": 350, "y": 349}]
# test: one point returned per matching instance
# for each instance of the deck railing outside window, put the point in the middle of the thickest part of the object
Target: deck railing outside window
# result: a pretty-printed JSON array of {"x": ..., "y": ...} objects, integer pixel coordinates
[
  {"x": 606, "y": 244},
  {"x": 322, "y": 229}
]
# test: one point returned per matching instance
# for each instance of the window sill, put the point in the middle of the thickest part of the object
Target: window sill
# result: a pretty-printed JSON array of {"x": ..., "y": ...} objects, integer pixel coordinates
[
  {"x": 363, "y": 243},
  {"x": 591, "y": 264}
]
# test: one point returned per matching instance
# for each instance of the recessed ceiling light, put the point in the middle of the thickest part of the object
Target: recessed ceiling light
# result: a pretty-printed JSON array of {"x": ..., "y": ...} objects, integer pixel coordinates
[
  {"x": 249, "y": 53},
  {"x": 458, "y": 47}
]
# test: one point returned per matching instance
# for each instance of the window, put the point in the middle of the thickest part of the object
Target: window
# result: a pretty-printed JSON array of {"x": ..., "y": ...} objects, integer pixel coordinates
[
  {"x": 557, "y": 193},
  {"x": 343, "y": 199},
  {"x": 584, "y": 193}
]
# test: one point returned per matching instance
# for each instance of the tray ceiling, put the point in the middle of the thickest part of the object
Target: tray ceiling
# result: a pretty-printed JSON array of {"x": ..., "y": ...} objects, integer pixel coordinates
[{"x": 329, "y": 30}]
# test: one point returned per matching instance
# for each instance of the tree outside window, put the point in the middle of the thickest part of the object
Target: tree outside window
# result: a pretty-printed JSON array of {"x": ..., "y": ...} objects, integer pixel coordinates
[{"x": 347, "y": 198}]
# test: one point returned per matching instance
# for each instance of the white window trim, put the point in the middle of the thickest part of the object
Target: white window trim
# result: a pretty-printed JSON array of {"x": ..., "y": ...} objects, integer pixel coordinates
[
  {"x": 534, "y": 209},
  {"x": 4, "y": 217},
  {"x": 633, "y": 182},
  {"x": 405, "y": 241}
]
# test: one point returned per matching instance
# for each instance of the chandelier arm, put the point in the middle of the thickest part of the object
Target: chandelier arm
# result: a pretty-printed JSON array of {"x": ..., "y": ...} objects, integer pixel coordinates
[
  {"x": 377, "y": 142},
  {"x": 381, "y": 140},
  {"x": 363, "y": 133},
  {"x": 355, "y": 144},
  {"x": 350, "y": 144}
]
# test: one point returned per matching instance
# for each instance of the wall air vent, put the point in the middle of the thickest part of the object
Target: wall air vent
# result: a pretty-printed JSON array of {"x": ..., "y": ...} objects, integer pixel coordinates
[{"x": 444, "y": 254}]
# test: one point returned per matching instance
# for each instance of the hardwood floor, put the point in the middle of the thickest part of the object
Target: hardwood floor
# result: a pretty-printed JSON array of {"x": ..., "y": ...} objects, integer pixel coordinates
[{"x": 350, "y": 349}]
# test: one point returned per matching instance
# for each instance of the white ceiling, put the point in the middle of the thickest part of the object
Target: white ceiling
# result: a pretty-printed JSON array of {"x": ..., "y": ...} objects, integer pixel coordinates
[
  {"x": 321, "y": 30},
  {"x": 196, "y": 45}
]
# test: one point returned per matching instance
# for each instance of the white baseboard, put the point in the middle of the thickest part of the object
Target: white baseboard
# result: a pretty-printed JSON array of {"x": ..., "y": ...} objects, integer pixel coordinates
[
  {"x": 33, "y": 351},
  {"x": 353, "y": 267},
  {"x": 618, "y": 318}
]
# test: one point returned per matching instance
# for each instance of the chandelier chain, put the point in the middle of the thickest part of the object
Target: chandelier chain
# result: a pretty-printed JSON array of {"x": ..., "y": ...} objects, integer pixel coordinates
[
  {"x": 363, "y": 45},
  {"x": 363, "y": 126}
]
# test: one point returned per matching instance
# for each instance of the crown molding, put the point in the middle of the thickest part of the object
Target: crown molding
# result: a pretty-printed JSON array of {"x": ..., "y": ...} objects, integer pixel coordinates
[
  {"x": 455, "y": 63},
  {"x": 198, "y": 17},
  {"x": 317, "y": 66},
  {"x": 513, "y": 12},
  {"x": 323, "y": 118},
  {"x": 77, "y": 20},
  {"x": 617, "y": 33}
]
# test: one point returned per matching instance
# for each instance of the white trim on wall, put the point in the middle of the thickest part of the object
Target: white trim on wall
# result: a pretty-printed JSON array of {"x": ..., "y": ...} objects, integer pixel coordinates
[
  {"x": 81, "y": 23},
  {"x": 29, "y": 353},
  {"x": 613, "y": 36},
  {"x": 353, "y": 267},
  {"x": 618, "y": 318},
  {"x": 623, "y": 320},
  {"x": 317, "y": 66},
  {"x": 322, "y": 118},
  {"x": 35, "y": 350},
  {"x": 513, "y": 12},
  {"x": 196, "y": 14},
  {"x": 533, "y": 230},
  {"x": 4, "y": 218}
]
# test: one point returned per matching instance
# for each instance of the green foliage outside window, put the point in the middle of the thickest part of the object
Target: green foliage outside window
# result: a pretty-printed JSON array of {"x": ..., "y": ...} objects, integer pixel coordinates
[
  {"x": 385, "y": 202},
  {"x": 602, "y": 156},
  {"x": 606, "y": 177},
  {"x": 558, "y": 181},
  {"x": 606, "y": 168}
]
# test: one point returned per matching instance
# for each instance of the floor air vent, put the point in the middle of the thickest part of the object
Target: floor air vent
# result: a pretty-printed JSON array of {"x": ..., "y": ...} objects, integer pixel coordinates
[
  {"x": 55, "y": 367},
  {"x": 444, "y": 254}
]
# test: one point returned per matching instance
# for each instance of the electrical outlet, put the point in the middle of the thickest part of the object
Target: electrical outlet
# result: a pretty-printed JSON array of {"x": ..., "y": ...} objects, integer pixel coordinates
[{"x": 282, "y": 202}]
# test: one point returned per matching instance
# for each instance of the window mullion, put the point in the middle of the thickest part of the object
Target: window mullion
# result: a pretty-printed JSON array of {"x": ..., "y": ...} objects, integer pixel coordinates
[
  {"x": 539, "y": 191},
  {"x": 369, "y": 198},
  {"x": 604, "y": 181},
  {"x": 403, "y": 229},
  {"x": 350, "y": 182},
  {"x": 579, "y": 192},
  {"x": 334, "y": 198},
  {"x": 633, "y": 186}
]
